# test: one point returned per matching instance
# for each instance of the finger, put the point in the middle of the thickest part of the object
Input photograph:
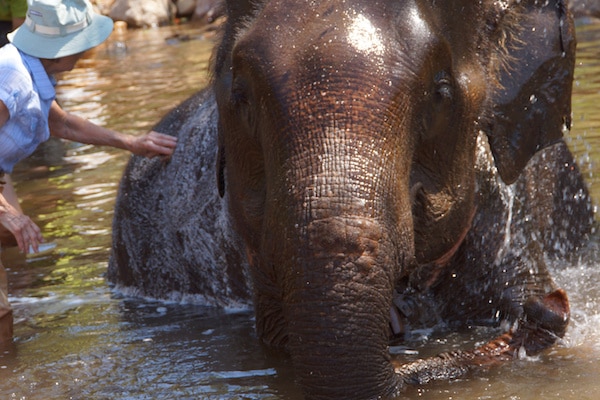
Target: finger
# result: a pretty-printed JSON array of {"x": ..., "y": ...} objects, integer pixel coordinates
[
  {"x": 166, "y": 140},
  {"x": 35, "y": 236},
  {"x": 164, "y": 144},
  {"x": 149, "y": 146},
  {"x": 26, "y": 243},
  {"x": 30, "y": 235},
  {"x": 158, "y": 149},
  {"x": 38, "y": 233},
  {"x": 34, "y": 245},
  {"x": 21, "y": 242},
  {"x": 159, "y": 134}
]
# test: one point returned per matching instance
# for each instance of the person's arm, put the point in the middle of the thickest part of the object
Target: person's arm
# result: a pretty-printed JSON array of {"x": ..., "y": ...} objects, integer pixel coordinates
[
  {"x": 25, "y": 231},
  {"x": 4, "y": 114},
  {"x": 71, "y": 127}
]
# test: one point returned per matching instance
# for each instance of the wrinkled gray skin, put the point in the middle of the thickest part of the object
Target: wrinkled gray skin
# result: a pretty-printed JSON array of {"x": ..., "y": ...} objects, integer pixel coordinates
[
  {"x": 360, "y": 197},
  {"x": 172, "y": 237}
]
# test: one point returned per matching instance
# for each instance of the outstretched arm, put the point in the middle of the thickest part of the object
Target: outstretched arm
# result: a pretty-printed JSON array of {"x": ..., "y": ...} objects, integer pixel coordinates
[{"x": 68, "y": 126}]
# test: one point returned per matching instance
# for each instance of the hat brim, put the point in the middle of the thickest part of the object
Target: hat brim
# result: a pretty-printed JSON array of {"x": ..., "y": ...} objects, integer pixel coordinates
[{"x": 51, "y": 47}]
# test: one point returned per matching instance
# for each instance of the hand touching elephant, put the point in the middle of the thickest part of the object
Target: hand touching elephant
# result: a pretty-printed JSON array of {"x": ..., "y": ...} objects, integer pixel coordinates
[{"x": 358, "y": 184}]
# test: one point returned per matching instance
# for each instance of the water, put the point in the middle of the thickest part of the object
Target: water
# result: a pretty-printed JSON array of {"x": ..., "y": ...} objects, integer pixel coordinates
[{"x": 75, "y": 339}]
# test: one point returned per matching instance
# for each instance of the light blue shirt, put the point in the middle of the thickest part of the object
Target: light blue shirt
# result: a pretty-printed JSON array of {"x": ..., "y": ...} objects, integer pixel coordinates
[{"x": 28, "y": 92}]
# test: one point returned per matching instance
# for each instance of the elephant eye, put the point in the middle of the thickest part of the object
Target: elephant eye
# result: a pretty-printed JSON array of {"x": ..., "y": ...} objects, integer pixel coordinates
[
  {"x": 444, "y": 90},
  {"x": 440, "y": 106}
]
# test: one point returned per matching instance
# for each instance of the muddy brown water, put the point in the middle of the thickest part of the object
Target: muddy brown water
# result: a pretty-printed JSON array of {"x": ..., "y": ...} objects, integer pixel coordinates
[{"x": 75, "y": 339}]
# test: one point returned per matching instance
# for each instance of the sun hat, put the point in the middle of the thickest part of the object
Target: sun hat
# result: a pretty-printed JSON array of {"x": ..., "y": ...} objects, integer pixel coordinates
[{"x": 55, "y": 28}]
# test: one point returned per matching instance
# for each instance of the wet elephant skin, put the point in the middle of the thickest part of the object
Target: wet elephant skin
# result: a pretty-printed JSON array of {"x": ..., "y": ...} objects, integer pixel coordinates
[{"x": 338, "y": 169}]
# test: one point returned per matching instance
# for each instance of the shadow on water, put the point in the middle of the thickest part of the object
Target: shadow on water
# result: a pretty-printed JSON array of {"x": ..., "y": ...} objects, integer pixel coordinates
[{"x": 75, "y": 339}]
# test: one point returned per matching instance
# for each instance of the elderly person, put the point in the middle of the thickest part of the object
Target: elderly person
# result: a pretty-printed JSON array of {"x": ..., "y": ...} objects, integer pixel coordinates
[{"x": 53, "y": 37}]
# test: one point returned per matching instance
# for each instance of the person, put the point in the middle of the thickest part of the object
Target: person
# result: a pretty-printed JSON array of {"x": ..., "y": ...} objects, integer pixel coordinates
[
  {"x": 12, "y": 15},
  {"x": 53, "y": 37}
]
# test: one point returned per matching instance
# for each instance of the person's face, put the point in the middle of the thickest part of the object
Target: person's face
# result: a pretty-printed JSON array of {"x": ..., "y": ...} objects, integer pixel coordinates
[{"x": 62, "y": 64}]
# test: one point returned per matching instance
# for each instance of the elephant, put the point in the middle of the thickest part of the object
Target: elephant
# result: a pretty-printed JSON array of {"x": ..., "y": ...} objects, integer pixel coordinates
[{"x": 359, "y": 170}]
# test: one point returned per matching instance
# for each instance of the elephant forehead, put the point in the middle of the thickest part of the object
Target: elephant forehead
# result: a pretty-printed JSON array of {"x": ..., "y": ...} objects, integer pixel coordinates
[
  {"x": 288, "y": 28},
  {"x": 367, "y": 34},
  {"x": 364, "y": 36}
]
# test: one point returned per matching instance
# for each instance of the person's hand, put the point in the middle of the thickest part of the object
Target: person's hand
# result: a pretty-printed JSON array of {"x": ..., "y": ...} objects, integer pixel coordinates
[
  {"x": 25, "y": 231},
  {"x": 154, "y": 144}
]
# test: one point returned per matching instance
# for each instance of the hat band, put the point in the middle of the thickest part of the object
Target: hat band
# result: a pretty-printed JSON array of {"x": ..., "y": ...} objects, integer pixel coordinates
[{"x": 56, "y": 31}]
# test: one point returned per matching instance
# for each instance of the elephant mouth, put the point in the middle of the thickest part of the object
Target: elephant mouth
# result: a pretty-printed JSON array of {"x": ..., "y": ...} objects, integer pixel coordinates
[
  {"x": 416, "y": 308},
  {"x": 446, "y": 257},
  {"x": 437, "y": 265}
]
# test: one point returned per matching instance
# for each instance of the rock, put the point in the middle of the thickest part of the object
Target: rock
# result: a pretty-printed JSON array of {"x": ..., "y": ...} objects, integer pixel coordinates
[
  {"x": 583, "y": 8},
  {"x": 208, "y": 11},
  {"x": 103, "y": 6},
  {"x": 185, "y": 7},
  {"x": 142, "y": 13}
]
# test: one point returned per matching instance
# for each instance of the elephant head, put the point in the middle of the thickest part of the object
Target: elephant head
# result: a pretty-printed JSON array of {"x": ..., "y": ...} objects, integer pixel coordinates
[{"x": 347, "y": 136}]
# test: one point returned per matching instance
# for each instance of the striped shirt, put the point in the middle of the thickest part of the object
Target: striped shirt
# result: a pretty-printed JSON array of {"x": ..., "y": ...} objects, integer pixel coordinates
[{"x": 28, "y": 92}]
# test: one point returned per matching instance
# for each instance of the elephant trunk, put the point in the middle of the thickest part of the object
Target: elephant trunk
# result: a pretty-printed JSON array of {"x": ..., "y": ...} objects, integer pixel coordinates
[
  {"x": 347, "y": 237},
  {"x": 341, "y": 357},
  {"x": 337, "y": 303}
]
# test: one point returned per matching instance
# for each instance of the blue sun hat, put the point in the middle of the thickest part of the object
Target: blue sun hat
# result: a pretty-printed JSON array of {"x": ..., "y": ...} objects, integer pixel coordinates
[{"x": 55, "y": 28}]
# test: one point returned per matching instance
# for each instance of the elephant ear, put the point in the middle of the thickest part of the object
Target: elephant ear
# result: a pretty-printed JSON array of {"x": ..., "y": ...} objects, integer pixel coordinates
[
  {"x": 532, "y": 67},
  {"x": 238, "y": 12},
  {"x": 221, "y": 170}
]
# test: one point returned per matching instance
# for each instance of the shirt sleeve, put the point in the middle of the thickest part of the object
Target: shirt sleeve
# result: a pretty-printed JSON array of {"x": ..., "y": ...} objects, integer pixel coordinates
[
  {"x": 12, "y": 89},
  {"x": 18, "y": 8}
]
